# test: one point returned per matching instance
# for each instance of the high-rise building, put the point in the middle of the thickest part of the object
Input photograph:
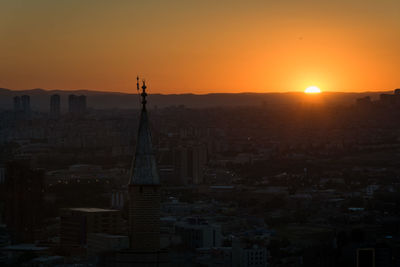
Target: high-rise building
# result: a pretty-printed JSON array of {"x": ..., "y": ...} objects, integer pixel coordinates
[
  {"x": 77, "y": 104},
  {"x": 180, "y": 159},
  {"x": 199, "y": 161},
  {"x": 81, "y": 104},
  {"x": 189, "y": 163},
  {"x": 17, "y": 103},
  {"x": 55, "y": 106},
  {"x": 72, "y": 103},
  {"x": 26, "y": 105}
]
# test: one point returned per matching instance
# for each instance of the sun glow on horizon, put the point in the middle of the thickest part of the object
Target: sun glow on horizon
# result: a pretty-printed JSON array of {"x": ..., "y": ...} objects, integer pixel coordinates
[
  {"x": 245, "y": 46},
  {"x": 312, "y": 90}
]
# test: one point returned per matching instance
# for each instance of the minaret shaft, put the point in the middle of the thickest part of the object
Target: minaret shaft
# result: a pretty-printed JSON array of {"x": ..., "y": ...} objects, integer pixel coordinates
[
  {"x": 144, "y": 193},
  {"x": 144, "y": 217}
]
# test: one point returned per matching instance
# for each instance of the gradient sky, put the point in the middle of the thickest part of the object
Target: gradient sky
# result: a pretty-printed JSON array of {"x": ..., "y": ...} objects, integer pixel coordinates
[{"x": 202, "y": 46}]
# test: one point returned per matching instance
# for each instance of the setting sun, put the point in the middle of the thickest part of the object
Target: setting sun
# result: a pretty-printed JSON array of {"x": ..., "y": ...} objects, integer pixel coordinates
[{"x": 312, "y": 90}]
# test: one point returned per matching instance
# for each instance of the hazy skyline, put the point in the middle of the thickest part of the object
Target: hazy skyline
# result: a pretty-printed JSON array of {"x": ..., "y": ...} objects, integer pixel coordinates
[{"x": 200, "y": 46}]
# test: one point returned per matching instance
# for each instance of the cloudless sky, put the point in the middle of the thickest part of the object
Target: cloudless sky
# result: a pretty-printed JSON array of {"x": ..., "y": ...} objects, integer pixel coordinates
[{"x": 201, "y": 46}]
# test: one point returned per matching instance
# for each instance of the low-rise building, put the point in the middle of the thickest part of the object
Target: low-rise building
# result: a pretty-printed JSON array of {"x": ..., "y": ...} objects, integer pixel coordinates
[
  {"x": 77, "y": 223},
  {"x": 248, "y": 255},
  {"x": 99, "y": 242},
  {"x": 198, "y": 233}
]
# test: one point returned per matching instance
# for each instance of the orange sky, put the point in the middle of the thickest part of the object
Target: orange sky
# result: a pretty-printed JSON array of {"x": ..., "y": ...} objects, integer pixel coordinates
[{"x": 203, "y": 46}]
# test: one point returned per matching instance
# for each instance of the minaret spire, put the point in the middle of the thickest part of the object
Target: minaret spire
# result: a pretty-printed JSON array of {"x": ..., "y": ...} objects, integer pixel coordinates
[
  {"x": 144, "y": 168},
  {"x": 144, "y": 95}
]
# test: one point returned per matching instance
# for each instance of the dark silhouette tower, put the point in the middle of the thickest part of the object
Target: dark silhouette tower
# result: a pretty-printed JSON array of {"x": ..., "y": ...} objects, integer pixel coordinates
[
  {"x": 81, "y": 104},
  {"x": 72, "y": 106},
  {"x": 144, "y": 185},
  {"x": 55, "y": 106},
  {"x": 144, "y": 204},
  {"x": 26, "y": 105},
  {"x": 144, "y": 201},
  {"x": 17, "y": 104},
  {"x": 77, "y": 104}
]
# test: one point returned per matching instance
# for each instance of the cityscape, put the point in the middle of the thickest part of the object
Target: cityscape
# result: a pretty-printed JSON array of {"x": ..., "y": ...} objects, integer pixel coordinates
[
  {"x": 200, "y": 133},
  {"x": 227, "y": 186}
]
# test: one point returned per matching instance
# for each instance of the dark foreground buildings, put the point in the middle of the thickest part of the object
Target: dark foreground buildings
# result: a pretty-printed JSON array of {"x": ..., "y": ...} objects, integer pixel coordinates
[{"x": 22, "y": 195}]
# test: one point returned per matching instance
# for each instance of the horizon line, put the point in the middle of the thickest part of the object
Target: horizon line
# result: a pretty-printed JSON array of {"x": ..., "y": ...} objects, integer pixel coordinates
[{"x": 199, "y": 94}]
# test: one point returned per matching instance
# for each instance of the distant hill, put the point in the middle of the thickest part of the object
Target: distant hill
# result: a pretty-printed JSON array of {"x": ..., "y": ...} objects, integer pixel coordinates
[{"x": 108, "y": 100}]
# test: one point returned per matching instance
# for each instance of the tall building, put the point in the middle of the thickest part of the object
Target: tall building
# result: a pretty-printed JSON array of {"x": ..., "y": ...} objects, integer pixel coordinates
[
  {"x": 81, "y": 104},
  {"x": 189, "y": 163},
  {"x": 55, "y": 106},
  {"x": 17, "y": 103},
  {"x": 180, "y": 160},
  {"x": 72, "y": 103},
  {"x": 26, "y": 104},
  {"x": 77, "y": 104}
]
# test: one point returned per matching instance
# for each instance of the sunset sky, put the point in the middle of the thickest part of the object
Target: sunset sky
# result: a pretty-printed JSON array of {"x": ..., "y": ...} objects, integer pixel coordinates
[{"x": 200, "y": 46}]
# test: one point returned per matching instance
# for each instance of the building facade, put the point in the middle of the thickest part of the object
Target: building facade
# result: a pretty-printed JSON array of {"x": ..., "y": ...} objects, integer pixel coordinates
[
  {"x": 55, "y": 106},
  {"x": 78, "y": 223},
  {"x": 22, "y": 193},
  {"x": 198, "y": 233},
  {"x": 189, "y": 163},
  {"x": 77, "y": 104}
]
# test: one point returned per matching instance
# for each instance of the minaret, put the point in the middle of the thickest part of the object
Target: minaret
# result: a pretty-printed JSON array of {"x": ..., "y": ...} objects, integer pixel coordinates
[{"x": 144, "y": 191}]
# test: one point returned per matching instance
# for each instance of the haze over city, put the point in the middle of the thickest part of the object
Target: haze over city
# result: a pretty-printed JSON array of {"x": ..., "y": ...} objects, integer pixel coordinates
[{"x": 200, "y": 46}]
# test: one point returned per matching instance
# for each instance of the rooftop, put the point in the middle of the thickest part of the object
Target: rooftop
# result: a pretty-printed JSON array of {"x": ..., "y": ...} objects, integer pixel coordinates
[
  {"x": 24, "y": 247},
  {"x": 92, "y": 210}
]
